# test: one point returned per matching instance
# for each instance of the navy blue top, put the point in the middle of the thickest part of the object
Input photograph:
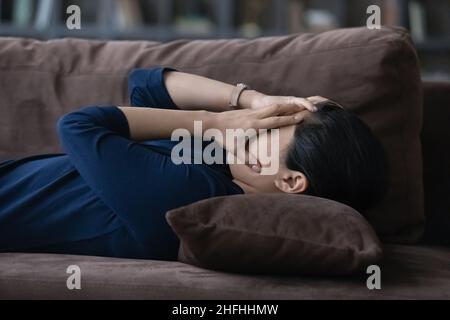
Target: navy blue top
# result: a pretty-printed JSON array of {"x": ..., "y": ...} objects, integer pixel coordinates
[{"x": 107, "y": 195}]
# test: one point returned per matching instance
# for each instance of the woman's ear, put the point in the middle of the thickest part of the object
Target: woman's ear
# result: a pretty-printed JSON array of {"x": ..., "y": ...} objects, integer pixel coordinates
[{"x": 291, "y": 181}]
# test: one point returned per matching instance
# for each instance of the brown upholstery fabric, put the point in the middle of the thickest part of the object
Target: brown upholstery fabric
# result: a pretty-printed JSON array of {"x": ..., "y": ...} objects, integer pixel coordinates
[
  {"x": 373, "y": 72},
  {"x": 436, "y": 161},
  {"x": 407, "y": 272},
  {"x": 275, "y": 234}
]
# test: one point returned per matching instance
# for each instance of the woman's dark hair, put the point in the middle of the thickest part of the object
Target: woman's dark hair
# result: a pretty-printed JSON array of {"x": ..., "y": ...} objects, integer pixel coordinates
[{"x": 340, "y": 156}]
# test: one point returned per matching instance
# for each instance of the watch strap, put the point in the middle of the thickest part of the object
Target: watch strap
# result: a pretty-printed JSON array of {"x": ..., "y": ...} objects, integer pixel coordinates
[{"x": 236, "y": 94}]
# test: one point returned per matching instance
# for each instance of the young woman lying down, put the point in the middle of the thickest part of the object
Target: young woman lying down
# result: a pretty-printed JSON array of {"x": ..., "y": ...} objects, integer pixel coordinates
[{"x": 123, "y": 170}]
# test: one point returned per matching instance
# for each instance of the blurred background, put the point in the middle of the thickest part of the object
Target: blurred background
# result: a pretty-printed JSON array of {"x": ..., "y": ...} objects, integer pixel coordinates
[{"x": 165, "y": 20}]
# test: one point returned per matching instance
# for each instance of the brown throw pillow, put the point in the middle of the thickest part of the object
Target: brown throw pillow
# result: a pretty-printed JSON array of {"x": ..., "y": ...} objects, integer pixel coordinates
[{"x": 275, "y": 234}]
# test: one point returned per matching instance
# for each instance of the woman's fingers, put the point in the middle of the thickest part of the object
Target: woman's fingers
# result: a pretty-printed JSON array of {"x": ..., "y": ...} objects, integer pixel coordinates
[
  {"x": 278, "y": 109},
  {"x": 287, "y": 106},
  {"x": 317, "y": 99},
  {"x": 302, "y": 103},
  {"x": 281, "y": 121},
  {"x": 309, "y": 105}
]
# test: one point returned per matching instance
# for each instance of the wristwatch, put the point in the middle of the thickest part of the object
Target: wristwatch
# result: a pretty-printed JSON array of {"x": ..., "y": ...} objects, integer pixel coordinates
[{"x": 236, "y": 94}]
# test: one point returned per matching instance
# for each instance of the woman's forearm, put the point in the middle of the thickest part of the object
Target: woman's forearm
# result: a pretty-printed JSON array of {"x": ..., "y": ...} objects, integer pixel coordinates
[
  {"x": 152, "y": 124},
  {"x": 192, "y": 92}
]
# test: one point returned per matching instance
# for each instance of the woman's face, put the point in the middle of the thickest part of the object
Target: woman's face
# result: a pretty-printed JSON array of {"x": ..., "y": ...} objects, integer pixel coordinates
[
  {"x": 270, "y": 166},
  {"x": 259, "y": 178}
]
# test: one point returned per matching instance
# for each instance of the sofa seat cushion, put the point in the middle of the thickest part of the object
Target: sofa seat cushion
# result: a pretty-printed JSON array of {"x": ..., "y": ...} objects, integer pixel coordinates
[{"x": 407, "y": 272}]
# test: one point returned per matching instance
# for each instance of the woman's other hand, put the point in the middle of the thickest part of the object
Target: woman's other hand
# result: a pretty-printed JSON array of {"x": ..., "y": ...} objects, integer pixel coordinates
[{"x": 261, "y": 101}]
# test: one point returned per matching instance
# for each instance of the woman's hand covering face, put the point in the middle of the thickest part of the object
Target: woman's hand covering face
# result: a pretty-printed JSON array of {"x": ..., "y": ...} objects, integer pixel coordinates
[
  {"x": 267, "y": 112},
  {"x": 247, "y": 123}
]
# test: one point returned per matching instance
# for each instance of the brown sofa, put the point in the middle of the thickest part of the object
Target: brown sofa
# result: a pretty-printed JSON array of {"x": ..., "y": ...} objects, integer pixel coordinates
[{"x": 40, "y": 81}]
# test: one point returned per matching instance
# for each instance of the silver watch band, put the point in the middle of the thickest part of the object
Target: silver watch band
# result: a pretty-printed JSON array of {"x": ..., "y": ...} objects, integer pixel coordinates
[{"x": 236, "y": 94}]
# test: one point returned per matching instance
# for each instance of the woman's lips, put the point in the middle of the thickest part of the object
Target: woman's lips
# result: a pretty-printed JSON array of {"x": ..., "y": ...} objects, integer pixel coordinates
[{"x": 256, "y": 168}]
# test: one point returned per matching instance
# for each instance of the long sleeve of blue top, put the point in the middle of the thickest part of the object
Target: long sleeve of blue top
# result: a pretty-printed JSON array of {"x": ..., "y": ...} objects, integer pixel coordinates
[{"x": 108, "y": 194}]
